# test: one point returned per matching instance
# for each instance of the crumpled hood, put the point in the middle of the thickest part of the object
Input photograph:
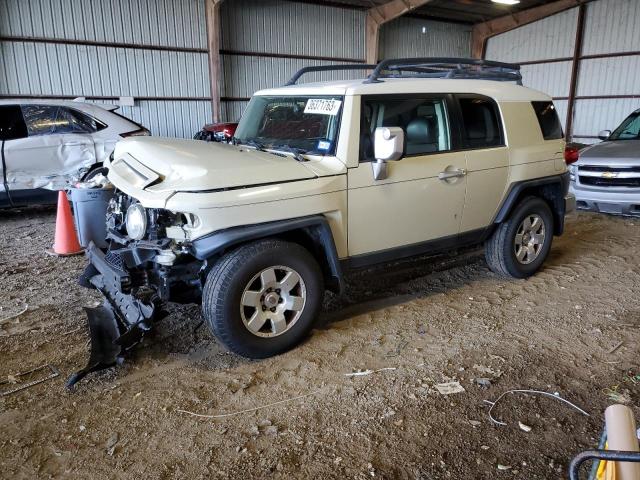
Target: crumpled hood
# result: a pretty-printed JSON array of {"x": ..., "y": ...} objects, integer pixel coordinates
[
  {"x": 169, "y": 165},
  {"x": 615, "y": 153}
]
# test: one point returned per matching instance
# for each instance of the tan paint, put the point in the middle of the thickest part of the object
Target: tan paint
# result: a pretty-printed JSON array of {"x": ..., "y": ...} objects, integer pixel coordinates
[
  {"x": 411, "y": 205},
  {"x": 487, "y": 173}
]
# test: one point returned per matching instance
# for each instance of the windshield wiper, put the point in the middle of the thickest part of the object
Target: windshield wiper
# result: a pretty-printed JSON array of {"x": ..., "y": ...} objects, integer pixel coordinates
[
  {"x": 251, "y": 143},
  {"x": 297, "y": 152}
]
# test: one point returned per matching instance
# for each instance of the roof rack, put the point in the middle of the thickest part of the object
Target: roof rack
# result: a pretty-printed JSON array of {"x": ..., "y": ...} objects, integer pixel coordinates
[
  {"x": 446, "y": 67},
  {"x": 328, "y": 68},
  {"x": 427, "y": 67}
]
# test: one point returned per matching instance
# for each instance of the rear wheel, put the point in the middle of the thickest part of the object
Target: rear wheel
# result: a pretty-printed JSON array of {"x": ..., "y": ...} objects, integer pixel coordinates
[
  {"x": 521, "y": 244},
  {"x": 262, "y": 299}
]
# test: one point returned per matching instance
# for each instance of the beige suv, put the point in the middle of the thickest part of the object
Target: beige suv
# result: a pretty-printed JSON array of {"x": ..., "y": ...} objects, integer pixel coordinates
[{"x": 424, "y": 155}]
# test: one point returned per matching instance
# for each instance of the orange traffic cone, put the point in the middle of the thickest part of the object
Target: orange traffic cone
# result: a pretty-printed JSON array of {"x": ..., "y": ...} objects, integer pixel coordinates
[{"x": 66, "y": 241}]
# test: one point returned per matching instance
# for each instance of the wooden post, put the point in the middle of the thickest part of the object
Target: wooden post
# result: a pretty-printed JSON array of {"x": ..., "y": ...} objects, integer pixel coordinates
[
  {"x": 376, "y": 16},
  {"x": 213, "y": 44},
  {"x": 575, "y": 68}
]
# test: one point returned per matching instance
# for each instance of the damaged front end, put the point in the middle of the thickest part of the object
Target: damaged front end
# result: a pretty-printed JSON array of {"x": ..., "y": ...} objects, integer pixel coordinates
[{"x": 136, "y": 278}]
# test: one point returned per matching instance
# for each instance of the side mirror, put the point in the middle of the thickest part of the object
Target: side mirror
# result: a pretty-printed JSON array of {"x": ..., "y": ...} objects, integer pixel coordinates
[
  {"x": 604, "y": 134},
  {"x": 388, "y": 145}
]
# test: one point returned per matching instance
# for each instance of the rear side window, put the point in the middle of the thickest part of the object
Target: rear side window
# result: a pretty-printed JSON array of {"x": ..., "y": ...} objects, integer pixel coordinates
[
  {"x": 481, "y": 122},
  {"x": 12, "y": 124},
  {"x": 548, "y": 120},
  {"x": 52, "y": 119},
  {"x": 424, "y": 121}
]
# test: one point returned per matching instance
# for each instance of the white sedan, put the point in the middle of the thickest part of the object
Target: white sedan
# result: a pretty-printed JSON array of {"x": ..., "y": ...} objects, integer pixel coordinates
[{"x": 47, "y": 143}]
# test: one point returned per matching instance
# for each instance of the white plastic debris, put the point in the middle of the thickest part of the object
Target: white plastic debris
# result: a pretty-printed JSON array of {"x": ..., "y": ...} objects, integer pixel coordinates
[
  {"x": 449, "y": 388},
  {"x": 523, "y": 427}
]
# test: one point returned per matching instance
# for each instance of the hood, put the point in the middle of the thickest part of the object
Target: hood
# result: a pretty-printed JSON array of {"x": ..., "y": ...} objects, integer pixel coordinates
[
  {"x": 164, "y": 165},
  {"x": 620, "y": 153}
]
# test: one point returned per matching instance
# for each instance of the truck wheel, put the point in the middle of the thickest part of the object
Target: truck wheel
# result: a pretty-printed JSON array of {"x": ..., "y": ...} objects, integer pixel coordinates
[
  {"x": 521, "y": 244},
  {"x": 262, "y": 298}
]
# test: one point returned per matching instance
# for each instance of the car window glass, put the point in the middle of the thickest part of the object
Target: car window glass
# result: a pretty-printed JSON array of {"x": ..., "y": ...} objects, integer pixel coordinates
[
  {"x": 548, "y": 119},
  {"x": 40, "y": 119},
  {"x": 306, "y": 123},
  {"x": 74, "y": 121},
  {"x": 52, "y": 119},
  {"x": 12, "y": 124},
  {"x": 629, "y": 129},
  {"x": 481, "y": 123},
  {"x": 424, "y": 121}
]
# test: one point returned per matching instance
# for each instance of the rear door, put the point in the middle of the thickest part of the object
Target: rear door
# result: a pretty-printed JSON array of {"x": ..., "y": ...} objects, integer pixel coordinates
[{"x": 487, "y": 157}]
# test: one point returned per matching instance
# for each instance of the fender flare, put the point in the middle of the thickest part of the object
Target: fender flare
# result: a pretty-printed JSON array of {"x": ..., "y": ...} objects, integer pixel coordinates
[
  {"x": 315, "y": 227},
  {"x": 557, "y": 201}
]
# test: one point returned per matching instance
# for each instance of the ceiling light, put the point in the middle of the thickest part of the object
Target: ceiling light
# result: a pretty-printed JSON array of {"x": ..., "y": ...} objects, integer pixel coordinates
[{"x": 506, "y": 2}]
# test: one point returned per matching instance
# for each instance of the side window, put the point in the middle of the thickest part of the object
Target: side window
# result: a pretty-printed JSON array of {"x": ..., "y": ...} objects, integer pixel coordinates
[
  {"x": 75, "y": 121},
  {"x": 548, "y": 119},
  {"x": 12, "y": 124},
  {"x": 51, "y": 119},
  {"x": 481, "y": 122},
  {"x": 40, "y": 119},
  {"x": 424, "y": 121}
]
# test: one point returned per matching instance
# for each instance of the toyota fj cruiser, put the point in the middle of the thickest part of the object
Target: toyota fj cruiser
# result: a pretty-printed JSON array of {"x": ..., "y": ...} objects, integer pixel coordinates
[{"x": 424, "y": 155}]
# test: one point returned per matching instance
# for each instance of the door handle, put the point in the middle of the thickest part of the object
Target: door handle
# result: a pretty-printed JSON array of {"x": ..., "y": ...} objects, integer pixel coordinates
[{"x": 460, "y": 172}]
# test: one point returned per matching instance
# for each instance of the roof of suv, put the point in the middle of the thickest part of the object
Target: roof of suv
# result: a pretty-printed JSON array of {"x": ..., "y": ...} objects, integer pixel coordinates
[{"x": 501, "y": 91}]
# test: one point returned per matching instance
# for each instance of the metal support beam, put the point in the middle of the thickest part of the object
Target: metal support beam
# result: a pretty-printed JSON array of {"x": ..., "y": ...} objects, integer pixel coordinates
[
  {"x": 377, "y": 16},
  {"x": 481, "y": 32},
  {"x": 575, "y": 68},
  {"x": 213, "y": 44}
]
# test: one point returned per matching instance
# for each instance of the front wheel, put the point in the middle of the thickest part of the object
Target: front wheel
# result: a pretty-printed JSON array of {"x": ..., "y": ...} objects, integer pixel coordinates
[
  {"x": 521, "y": 244},
  {"x": 262, "y": 298}
]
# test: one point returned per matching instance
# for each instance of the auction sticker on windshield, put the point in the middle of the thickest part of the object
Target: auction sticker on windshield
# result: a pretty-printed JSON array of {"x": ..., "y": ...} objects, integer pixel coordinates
[{"x": 322, "y": 106}]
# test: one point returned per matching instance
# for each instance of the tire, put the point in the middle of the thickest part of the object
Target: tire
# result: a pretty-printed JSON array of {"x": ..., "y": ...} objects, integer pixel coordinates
[
  {"x": 242, "y": 278},
  {"x": 506, "y": 252}
]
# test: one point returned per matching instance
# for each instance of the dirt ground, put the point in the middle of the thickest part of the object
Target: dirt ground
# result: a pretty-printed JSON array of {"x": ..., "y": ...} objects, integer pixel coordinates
[{"x": 421, "y": 322}]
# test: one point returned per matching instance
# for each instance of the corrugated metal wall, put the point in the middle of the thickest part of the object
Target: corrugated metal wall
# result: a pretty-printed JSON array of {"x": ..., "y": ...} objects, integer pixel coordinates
[
  {"x": 169, "y": 74},
  {"x": 415, "y": 37},
  {"x": 257, "y": 34},
  {"x": 610, "y": 27},
  {"x": 532, "y": 43},
  {"x": 156, "y": 51}
]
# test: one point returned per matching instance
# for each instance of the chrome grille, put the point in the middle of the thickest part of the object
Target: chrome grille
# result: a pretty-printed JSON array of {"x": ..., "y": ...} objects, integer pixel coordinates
[{"x": 605, "y": 177}]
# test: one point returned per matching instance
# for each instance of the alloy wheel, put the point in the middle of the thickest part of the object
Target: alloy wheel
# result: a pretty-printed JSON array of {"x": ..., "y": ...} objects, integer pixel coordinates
[
  {"x": 529, "y": 239},
  {"x": 273, "y": 301}
]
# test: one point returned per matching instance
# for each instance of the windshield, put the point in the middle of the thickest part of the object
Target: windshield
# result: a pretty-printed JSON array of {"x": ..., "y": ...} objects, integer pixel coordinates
[
  {"x": 307, "y": 124},
  {"x": 629, "y": 129}
]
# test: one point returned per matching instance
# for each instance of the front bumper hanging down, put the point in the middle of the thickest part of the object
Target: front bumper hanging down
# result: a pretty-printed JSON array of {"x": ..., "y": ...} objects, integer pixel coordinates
[{"x": 121, "y": 321}]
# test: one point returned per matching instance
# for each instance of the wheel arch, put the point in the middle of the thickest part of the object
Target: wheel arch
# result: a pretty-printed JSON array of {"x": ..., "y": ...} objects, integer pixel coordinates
[
  {"x": 551, "y": 189},
  {"x": 312, "y": 232}
]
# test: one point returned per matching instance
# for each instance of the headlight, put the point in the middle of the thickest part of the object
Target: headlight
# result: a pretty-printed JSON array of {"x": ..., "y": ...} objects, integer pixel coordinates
[
  {"x": 572, "y": 171},
  {"x": 136, "y": 221}
]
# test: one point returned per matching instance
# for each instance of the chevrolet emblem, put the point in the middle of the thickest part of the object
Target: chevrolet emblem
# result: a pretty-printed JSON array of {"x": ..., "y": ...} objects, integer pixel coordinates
[{"x": 609, "y": 174}]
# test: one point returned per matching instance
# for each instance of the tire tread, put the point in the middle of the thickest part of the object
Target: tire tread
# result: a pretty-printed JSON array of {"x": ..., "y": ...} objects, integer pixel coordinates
[{"x": 219, "y": 284}]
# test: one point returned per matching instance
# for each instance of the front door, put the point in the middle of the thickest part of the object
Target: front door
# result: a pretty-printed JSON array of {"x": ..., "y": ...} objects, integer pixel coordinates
[{"x": 423, "y": 195}]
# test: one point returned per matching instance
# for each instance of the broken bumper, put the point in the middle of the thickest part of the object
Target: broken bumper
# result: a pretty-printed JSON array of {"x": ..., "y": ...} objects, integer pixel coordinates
[{"x": 123, "y": 318}]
